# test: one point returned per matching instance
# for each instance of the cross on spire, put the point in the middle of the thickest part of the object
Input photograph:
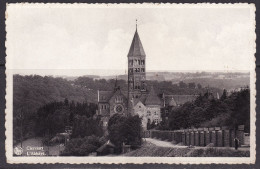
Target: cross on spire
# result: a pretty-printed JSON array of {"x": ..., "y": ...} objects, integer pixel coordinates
[{"x": 136, "y": 24}]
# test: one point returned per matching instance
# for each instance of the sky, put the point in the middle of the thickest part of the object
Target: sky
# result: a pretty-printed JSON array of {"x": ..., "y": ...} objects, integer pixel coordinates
[{"x": 95, "y": 39}]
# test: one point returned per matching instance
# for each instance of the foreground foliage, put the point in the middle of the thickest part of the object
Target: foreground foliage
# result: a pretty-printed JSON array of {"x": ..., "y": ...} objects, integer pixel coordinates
[
  {"x": 82, "y": 146},
  {"x": 126, "y": 130}
]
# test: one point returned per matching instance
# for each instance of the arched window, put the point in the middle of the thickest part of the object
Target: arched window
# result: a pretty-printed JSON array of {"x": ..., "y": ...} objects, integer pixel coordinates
[
  {"x": 156, "y": 121},
  {"x": 135, "y": 62}
]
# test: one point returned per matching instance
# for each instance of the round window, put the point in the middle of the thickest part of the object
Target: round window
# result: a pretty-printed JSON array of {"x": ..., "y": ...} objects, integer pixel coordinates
[{"x": 118, "y": 108}]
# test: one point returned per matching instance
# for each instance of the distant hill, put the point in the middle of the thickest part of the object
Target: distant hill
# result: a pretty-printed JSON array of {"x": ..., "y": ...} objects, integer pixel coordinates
[{"x": 221, "y": 80}]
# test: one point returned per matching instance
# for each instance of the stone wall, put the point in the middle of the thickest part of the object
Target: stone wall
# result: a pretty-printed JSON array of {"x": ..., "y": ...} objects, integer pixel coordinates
[{"x": 219, "y": 136}]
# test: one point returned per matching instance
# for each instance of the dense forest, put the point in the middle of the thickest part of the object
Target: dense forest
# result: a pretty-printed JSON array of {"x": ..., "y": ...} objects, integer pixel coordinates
[
  {"x": 32, "y": 92},
  {"x": 207, "y": 111},
  {"x": 53, "y": 117}
]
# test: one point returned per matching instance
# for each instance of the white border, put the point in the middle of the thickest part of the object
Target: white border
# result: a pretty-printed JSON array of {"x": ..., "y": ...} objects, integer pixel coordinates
[{"x": 127, "y": 160}]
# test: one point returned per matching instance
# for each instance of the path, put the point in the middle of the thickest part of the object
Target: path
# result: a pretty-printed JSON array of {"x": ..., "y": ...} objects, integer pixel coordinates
[{"x": 161, "y": 143}]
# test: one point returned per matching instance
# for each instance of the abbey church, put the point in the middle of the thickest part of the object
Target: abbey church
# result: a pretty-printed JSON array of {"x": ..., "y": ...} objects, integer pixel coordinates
[{"x": 140, "y": 99}]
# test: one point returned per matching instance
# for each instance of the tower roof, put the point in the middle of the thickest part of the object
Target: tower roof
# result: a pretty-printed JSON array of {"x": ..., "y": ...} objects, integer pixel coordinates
[
  {"x": 152, "y": 98},
  {"x": 136, "y": 48},
  {"x": 172, "y": 102}
]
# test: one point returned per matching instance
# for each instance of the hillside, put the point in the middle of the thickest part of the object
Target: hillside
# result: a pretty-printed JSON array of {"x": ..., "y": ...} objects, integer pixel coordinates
[{"x": 31, "y": 92}]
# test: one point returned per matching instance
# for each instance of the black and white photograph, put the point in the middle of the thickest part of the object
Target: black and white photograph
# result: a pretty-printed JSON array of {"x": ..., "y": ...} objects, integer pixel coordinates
[{"x": 130, "y": 83}]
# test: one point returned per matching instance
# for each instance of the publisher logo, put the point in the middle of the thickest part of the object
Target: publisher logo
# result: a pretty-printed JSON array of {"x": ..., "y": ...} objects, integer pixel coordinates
[{"x": 18, "y": 150}]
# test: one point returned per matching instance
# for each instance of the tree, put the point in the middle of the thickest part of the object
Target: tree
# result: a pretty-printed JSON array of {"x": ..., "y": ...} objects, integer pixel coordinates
[
  {"x": 182, "y": 84},
  {"x": 66, "y": 102},
  {"x": 199, "y": 86},
  {"x": 224, "y": 95},
  {"x": 81, "y": 146},
  {"x": 84, "y": 126},
  {"x": 125, "y": 129},
  {"x": 192, "y": 85}
]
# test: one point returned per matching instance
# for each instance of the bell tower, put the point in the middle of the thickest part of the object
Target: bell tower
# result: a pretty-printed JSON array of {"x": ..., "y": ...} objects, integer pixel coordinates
[{"x": 136, "y": 68}]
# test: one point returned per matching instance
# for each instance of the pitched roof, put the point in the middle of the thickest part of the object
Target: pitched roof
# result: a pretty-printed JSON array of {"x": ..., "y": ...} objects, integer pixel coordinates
[
  {"x": 105, "y": 96},
  {"x": 136, "y": 48},
  {"x": 142, "y": 99},
  {"x": 152, "y": 98},
  {"x": 172, "y": 102}
]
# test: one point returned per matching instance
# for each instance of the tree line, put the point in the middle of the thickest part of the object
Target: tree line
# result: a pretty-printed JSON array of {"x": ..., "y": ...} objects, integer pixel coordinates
[{"x": 166, "y": 87}]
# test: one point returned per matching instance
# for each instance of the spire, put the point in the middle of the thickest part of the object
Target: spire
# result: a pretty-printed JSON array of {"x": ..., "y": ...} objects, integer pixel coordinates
[
  {"x": 136, "y": 48},
  {"x": 172, "y": 102},
  {"x": 116, "y": 87}
]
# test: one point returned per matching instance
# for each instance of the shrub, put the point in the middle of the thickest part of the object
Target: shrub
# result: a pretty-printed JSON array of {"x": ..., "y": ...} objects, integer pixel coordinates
[{"x": 81, "y": 146}]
